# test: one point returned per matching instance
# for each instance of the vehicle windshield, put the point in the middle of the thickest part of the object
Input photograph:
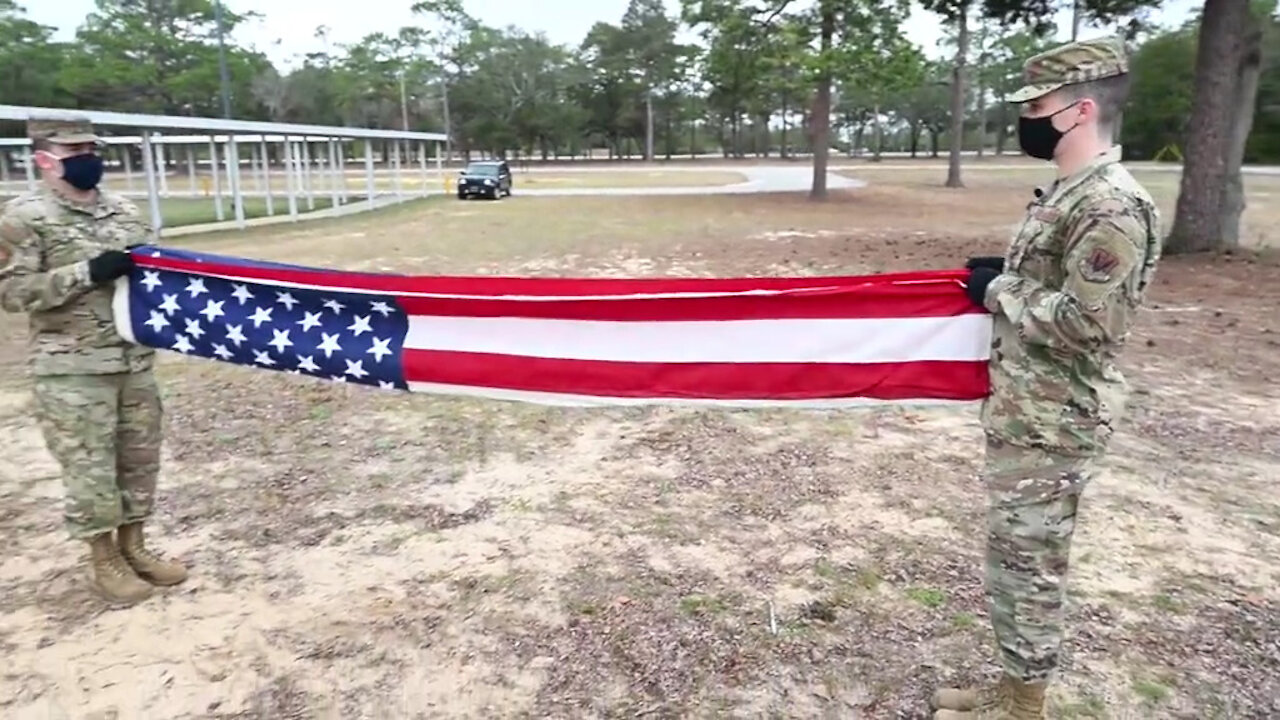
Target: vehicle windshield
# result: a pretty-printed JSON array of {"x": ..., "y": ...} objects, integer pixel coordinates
[{"x": 487, "y": 170}]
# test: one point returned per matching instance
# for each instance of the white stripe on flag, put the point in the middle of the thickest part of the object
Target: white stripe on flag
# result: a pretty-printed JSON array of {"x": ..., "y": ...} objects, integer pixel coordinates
[{"x": 840, "y": 340}]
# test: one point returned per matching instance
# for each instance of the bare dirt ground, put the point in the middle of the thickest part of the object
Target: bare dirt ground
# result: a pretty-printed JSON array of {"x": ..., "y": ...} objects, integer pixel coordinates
[{"x": 359, "y": 554}]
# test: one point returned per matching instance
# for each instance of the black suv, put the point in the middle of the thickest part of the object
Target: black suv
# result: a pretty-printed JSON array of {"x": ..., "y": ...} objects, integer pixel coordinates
[{"x": 491, "y": 179}]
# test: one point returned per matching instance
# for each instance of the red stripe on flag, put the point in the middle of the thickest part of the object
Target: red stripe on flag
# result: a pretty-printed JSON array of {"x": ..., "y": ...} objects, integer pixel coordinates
[
  {"x": 933, "y": 380},
  {"x": 870, "y": 286},
  {"x": 937, "y": 301}
]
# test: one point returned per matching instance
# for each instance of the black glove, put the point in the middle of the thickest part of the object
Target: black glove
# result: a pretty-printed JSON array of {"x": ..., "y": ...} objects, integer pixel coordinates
[
  {"x": 984, "y": 261},
  {"x": 979, "y": 278},
  {"x": 109, "y": 266}
]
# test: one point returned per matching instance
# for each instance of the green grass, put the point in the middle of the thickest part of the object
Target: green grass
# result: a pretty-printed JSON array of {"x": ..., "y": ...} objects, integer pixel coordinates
[{"x": 179, "y": 211}]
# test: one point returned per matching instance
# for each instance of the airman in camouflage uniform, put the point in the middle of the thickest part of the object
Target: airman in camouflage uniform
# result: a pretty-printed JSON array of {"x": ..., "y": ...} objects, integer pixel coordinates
[
  {"x": 62, "y": 247},
  {"x": 1062, "y": 299}
]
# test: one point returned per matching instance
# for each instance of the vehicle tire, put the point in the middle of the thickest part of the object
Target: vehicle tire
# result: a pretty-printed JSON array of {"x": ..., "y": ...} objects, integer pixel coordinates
[{"x": 462, "y": 196}]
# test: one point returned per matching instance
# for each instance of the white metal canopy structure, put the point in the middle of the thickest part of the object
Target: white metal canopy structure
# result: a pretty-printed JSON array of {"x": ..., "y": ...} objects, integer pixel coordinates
[{"x": 306, "y": 154}]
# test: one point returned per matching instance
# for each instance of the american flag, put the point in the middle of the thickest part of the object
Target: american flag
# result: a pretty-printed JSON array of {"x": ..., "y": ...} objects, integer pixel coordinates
[{"x": 793, "y": 341}]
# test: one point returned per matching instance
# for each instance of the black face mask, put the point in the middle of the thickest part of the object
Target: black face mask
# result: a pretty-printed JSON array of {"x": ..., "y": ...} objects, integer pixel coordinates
[
  {"x": 82, "y": 171},
  {"x": 1038, "y": 137}
]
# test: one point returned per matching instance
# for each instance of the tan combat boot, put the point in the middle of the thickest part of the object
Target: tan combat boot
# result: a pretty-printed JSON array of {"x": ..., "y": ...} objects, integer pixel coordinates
[
  {"x": 148, "y": 565},
  {"x": 112, "y": 577},
  {"x": 1010, "y": 699}
]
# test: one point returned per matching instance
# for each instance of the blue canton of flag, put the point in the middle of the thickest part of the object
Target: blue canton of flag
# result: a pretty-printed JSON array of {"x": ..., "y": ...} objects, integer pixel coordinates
[{"x": 344, "y": 337}]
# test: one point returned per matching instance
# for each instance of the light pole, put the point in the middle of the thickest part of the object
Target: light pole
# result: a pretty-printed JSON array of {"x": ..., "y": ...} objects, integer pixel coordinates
[{"x": 404, "y": 104}]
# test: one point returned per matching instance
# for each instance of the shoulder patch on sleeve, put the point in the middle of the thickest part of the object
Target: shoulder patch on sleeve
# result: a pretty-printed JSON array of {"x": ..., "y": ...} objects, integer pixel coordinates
[
  {"x": 12, "y": 229},
  {"x": 1098, "y": 265}
]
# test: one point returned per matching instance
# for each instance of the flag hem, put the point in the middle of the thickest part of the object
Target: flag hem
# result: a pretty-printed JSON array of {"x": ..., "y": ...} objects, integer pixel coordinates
[{"x": 537, "y": 397}]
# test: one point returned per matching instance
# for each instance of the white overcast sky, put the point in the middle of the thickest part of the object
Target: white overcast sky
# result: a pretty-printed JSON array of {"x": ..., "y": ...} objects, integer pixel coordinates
[{"x": 286, "y": 30}]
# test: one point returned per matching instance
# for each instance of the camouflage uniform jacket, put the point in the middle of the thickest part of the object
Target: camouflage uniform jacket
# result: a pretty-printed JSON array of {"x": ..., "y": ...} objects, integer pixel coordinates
[
  {"x": 1075, "y": 274},
  {"x": 46, "y": 242}
]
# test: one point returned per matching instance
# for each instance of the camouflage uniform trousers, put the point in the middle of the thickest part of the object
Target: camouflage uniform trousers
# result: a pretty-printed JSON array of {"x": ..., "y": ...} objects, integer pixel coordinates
[
  {"x": 104, "y": 430},
  {"x": 1032, "y": 499}
]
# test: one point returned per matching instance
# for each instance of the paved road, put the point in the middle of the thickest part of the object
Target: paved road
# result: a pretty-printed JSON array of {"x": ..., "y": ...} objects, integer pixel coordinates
[{"x": 760, "y": 179}]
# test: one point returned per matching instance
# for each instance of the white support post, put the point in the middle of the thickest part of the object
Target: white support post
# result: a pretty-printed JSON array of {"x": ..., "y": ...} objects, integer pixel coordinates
[
  {"x": 266, "y": 176},
  {"x": 162, "y": 168},
  {"x": 422, "y": 160},
  {"x": 153, "y": 195},
  {"x": 191, "y": 171},
  {"x": 368, "y": 171},
  {"x": 128, "y": 167},
  {"x": 4, "y": 166},
  {"x": 233, "y": 177},
  {"x": 216, "y": 174},
  {"x": 31, "y": 168},
  {"x": 299, "y": 178},
  {"x": 395, "y": 164},
  {"x": 334, "y": 179},
  {"x": 342, "y": 170},
  {"x": 306, "y": 173},
  {"x": 291, "y": 179},
  {"x": 253, "y": 166}
]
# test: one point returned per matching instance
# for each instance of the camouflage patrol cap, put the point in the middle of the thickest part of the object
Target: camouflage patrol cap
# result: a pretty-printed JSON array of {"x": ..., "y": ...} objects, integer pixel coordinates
[
  {"x": 62, "y": 129},
  {"x": 1069, "y": 64}
]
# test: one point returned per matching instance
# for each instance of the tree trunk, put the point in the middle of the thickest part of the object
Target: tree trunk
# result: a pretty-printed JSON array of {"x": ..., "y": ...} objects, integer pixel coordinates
[
  {"x": 957, "y": 97},
  {"x": 648, "y": 126},
  {"x": 822, "y": 109},
  {"x": 782, "y": 149},
  {"x": 1197, "y": 222},
  {"x": 915, "y": 139},
  {"x": 1233, "y": 201},
  {"x": 879, "y": 136},
  {"x": 667, "y": 138},
  {"x": 1002, "y": 129},
  {"x": 982, "y": 116}
]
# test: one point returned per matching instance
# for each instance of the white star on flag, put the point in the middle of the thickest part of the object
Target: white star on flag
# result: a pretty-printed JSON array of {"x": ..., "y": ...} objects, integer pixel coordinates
[
  {"x": 280, "y": 339},
  {"x": 379, "y": 349},
  {"x": 329, "y": 344},
  {"x": 170, "y": 304},
  {"x": 235, "y": 334},
  {"x": 361, "y": 325},
  {"x": 157, "y": 320},
  {"x": 309, "y": 320},
  {"x": 213, "y": 310},
  {"x": 196, "y": 287},
  {"x": 241, "y": 293},
  {"x": 355, "y": 368},
  {"x": 260, "y": 316}
]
